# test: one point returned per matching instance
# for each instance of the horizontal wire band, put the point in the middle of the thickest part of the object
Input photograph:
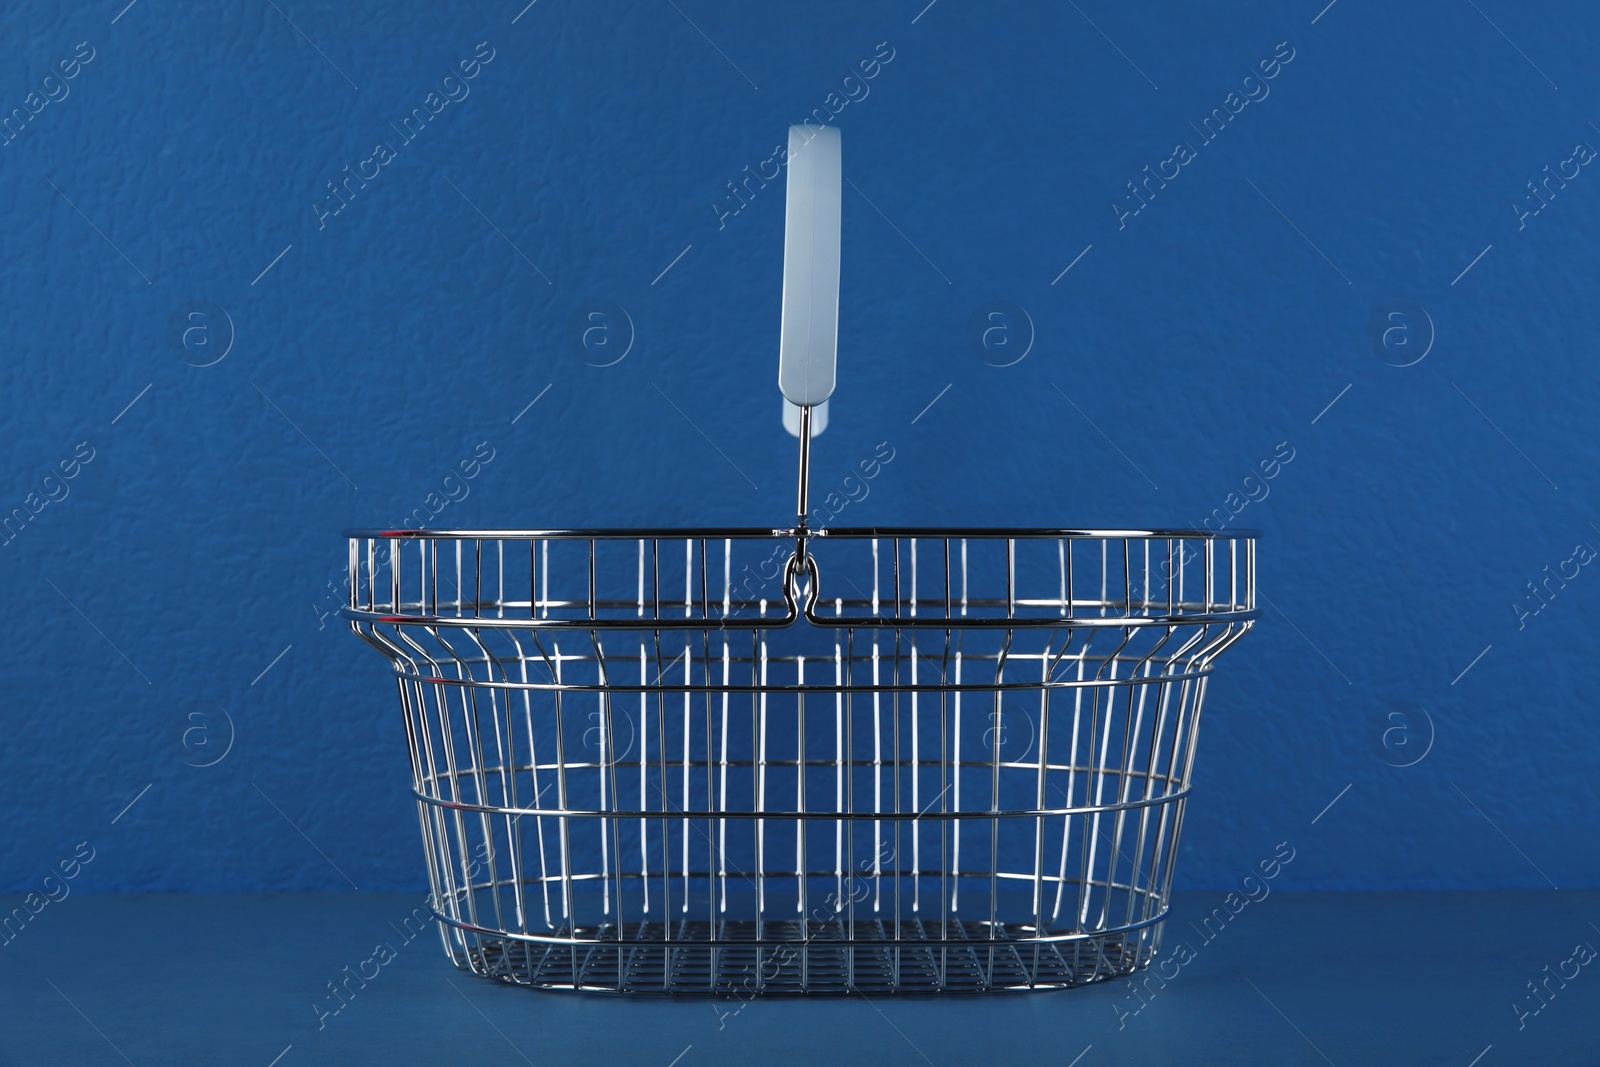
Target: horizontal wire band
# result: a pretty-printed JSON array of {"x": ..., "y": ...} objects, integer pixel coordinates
[{"x": 856, "y": 818}]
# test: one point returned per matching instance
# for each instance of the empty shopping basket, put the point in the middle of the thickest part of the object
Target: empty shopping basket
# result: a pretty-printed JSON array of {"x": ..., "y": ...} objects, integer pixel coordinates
[{"x": 801, "y": 761}]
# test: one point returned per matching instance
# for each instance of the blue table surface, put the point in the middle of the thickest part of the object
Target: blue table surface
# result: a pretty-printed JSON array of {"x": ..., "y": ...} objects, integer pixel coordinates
[{"x": 1405, "y": 978}]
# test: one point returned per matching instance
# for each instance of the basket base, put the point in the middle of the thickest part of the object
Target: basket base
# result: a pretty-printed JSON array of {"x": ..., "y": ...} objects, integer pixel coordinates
[{"x": 909, "y": 957}]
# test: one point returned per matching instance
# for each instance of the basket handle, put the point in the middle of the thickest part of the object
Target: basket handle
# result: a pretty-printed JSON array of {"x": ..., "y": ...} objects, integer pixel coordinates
[
  {"x": 809, "y": 336},
  {"x": 808, "y": 340}
]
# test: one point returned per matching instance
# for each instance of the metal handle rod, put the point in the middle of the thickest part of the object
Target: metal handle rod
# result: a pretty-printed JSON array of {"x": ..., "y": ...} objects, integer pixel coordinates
[
  {"x": 801, "y": 565},
  {"x": 802, "y": 505}
]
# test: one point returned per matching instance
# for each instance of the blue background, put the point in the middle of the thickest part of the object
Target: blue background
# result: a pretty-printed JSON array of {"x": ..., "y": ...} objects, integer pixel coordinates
[{"x": 375, "y": 351}]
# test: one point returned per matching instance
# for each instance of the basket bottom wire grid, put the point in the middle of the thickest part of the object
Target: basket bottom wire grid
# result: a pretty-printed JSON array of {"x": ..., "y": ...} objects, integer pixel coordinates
[{"x": 798, "y": 958}]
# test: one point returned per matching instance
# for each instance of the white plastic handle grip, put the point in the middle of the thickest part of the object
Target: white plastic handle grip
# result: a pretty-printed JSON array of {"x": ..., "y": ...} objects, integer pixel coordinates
[{"x": 809, "y": 338}]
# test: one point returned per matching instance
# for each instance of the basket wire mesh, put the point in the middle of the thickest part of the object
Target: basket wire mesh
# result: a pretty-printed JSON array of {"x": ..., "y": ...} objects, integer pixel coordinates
[{"x": 741, "y": 761}]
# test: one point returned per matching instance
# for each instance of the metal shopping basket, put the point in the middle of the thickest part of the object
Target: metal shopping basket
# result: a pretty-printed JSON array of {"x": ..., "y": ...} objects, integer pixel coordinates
[{"x": 746, "y": 761}]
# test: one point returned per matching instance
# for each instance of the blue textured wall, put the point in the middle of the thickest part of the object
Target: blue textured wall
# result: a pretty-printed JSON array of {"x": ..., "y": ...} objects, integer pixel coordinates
[{"x": 170, "y": 207}]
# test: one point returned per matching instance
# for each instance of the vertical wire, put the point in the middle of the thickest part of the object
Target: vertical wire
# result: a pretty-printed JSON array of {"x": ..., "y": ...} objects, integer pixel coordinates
[
  {"x": 608, "y": 799},
  {"x": 874, "y": 576},
  {"x": 1158, "y": 735},
  {"x": 608, "y": 780},
  {"x": 761, "y": 775},
  {"x": 644, "y": 749},
  {"x": 761, "y": 795},
  {"x": 1011, "y": 577},
  {"x": 877, "y": 777},
  {"x": 946, "y": 886},
  {"x": 477, "y": 775},
  {"x": 421, "y": 748},
  {"x": 533, "y": 776},
  {"x": 841, "y": 756},
  {"x": 800, "y": 782},
  {"x": 955, "y": 854},
  {"x": 453, "y": 775},
  {"x": 710, "y": 763},
  {"x": 1129, "y": 738},
  {"x": 1210, "y": 572},
  {"x": 997, "y": 721},
  {"x": 894, "y": 752},
  {"x": 1061, "y": 562},
  {"x": 755, "y": 744},
  {"x": 644, "y": 774},
  {"x": 721, "y": 892},
  {"x": 895, "y": 755},
  {"x": 1098, "y": 773},
  {"x": 688, "y": 700},
  {"x": 916, "y": 764},
  {"x": 722, "y": 769},
  {"x": 1072, "y": 791},
  {"x": 505, "y": 734},
  {"x": 877, "y": 749},
  {"x": 913, "y": 577},
  {"x": 567, "y": 912},
  {"x": 850, "y": 803},
  {"x": 1040, "y": 800},
  {"x": 717, "y": 871},
  {"x": 1233, "y": 575},
  {"x": 963, "y": 576},
  {"x": 663, "y": 752},
  {"x": 800, "y": 851}
]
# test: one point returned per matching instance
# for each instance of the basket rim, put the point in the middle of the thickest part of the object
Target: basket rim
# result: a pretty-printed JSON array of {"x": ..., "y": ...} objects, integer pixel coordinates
[
  {"x": 746, "y": 532},
  {"x": 779, "y": 622}
]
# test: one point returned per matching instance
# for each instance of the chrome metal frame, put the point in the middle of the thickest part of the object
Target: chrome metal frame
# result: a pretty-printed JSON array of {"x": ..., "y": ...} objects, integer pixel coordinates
[{"x": 632, "y": 776}]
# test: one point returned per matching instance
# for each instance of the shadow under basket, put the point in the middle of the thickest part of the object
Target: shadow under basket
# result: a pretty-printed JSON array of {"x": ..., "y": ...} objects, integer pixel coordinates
[{"x": 733, "y": 762}]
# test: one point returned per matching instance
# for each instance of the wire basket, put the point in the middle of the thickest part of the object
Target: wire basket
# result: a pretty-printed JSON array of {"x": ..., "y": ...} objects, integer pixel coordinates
[
  {"x": 634, "y": 772},
  {"x": 801, "y": 761}
]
